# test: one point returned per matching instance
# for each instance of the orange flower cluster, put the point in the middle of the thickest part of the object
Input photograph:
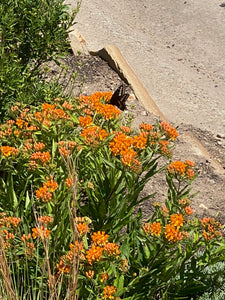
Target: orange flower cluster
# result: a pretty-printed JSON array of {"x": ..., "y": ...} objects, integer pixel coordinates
[
  {"x": 67, "y": 105},
  {"x": 177, "y": 220},
  {"x": 145, "y": 127},
  {"x": 69, "y": 182},
  {"x": 66, "y": 261},
  {"x": 108, "y": 111},
  {"x": 40, "y": 232},
  {"x": 169, "y": 131},
  {"x": 9, "y": 151},
  {"x": 155, "y": 228},
  {"x": 8, "y": 235},
  {"x": 164, "y": 148},
  {"x": 92, "y": 101},
  {"x": 41, "y": 158},
  {"x": 108, "y": 292},
  {"x": 85, "y": 121},
  {"x": 45, "y": 220},
  {"x": 100, "y": 246},
  {"x": 93, "y": 135},
  {"x": 111, "y": 249},
  {"x": 122, "y": 145},
  {"x": 104, "y": 276},
  {"x": 82, "y": 228},
  {"x": 211, "y": 228},
  {"x": 94, "y": 254},
  {"x": 181, "y": 169},
  {"x": 30, "y": 250},
  {"x": 99, "y": 238},
  {"x": 172, "y": 232},
  {"x": 24, "y": 237},
  {"x": 9, "y": 221},
  {"x": 127, "y": 157},
  {"x": 45, "y": 193},
  {"x": 39, "y": 146},
  {"x": 188, "y": 210},
  {"x": 90, "y": 274},
  {"x": 139, "y": 142}
]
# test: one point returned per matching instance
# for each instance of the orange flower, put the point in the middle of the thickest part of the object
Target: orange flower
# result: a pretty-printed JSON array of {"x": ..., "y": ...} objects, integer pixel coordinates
[
  {"x": 156, "y": 228},
  {"x": 172, "y": 234},
  {"x": 108, "y": 111},
  {"x": 136, "y": 166},
  {"x": 168, "y": 130},
  {"x": 180, "y": 168},
  {"x": 8, "y": 151},
  {"x": 41, "y": 157},
  {"x": 90, "y": 274},
  {"x": 108, "y": 292},
  {"x": 40, "y": 232},
  {"x": 164, "y": 148},
  {"x": 46, "y": 107},
  {"x": 24, "y": 237},
  {"x": 104, "y": 276},
  {"x": 69, "y": 182},
  {"x": 43, "y": 194},
  {"x": 128, "y": 156},
  {"x": 8, "y": 235},
  {"x": 45, "y": 220},
  {"x": 94, "y": 254},
  {"x": 147, "y": 228},
  {"x": 177, "y": 220},
  {"x": 140, "y": 141},
  {"x": 190, "y": 173},
  {"x": 112, "y": 249},
  {"x": 120, "y": 143},
  {"x": 64, "y": 152},
  {"x": 125, "y": 129},
  {"x": 14, "y": 221},
  {"x": 99, "y": 238},
  {"x": 145, "y": 127},
  {"x": 190, "y": 163},
  {"x": 39, "y": 146},
  {"x": 211, "y": 228},
  {"x": 67, "y": 105},
  {"x": 82, "y": 228},
  {"x": 19, "y": 123},
  {"x": 177, "y": 167},
  {"x": 51, "y": 185},
  {"x": 85, "y": 121},
  {"x": 188, "y": 210},
  {"x": 93, "y": 134}
]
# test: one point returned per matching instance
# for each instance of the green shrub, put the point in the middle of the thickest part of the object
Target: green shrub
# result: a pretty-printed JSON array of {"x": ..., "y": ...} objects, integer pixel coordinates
[{"x": 32, "y": 32}]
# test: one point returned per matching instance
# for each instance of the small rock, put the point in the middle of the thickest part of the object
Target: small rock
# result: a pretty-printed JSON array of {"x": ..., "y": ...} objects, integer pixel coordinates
[
  {"x": 220, "y": 136},
  {"x": 144, "y": 113},
  {"x": 203, "y": 206}
]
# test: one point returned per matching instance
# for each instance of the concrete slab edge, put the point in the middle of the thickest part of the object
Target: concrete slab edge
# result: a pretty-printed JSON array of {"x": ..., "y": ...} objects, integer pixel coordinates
[{"x": 117, "y": 62}]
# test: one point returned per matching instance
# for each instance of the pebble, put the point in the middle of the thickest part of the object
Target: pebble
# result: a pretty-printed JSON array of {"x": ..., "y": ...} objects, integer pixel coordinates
[{"x": 144, "y": 113}]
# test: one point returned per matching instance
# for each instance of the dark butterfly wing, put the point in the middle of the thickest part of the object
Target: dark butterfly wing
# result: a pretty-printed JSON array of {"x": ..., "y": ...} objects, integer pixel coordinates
[{"x": 119, "y": 98}]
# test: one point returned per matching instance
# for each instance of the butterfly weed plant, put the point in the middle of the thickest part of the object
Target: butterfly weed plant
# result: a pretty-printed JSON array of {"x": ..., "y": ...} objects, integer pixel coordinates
[{"x": 72, "y": 173}]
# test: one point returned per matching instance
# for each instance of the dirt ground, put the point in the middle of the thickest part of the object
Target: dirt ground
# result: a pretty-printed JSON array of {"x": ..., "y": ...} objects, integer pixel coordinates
[{"x": 94, "y": 74}]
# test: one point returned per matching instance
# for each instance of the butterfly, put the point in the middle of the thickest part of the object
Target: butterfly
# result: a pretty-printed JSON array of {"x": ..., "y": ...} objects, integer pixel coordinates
[{"x": 119, "y": 98}]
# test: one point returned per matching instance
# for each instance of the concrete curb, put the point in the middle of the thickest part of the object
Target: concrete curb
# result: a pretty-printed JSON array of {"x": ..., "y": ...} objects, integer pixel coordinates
[{"x": 118, "y": 63}]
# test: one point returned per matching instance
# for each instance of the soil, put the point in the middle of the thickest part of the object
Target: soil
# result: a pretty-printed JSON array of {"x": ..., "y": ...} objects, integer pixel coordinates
[{"x": 94, "y": 74}]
